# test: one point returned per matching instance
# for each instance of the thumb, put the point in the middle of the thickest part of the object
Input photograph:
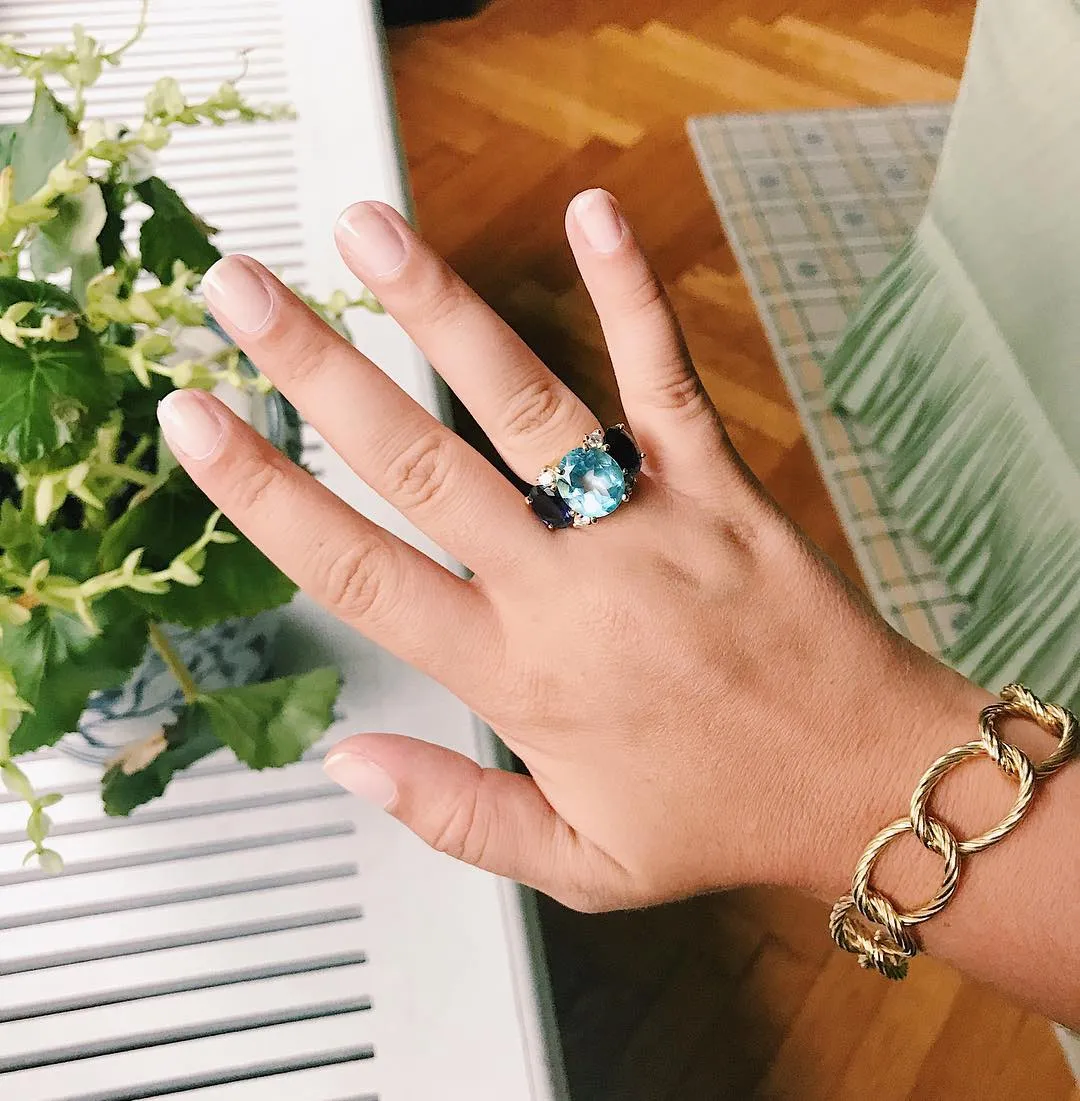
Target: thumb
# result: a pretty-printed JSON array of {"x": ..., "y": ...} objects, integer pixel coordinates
[{"x": 495, "y": 820}]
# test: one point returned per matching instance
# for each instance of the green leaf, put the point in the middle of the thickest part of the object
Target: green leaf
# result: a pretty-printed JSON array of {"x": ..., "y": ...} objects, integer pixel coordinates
[
  {"x": 187, "y": 740},
  {"x": 39, "y": 144},
  {"x": 266, "y": 725},
  {"x": 271, "y": 724},
  {"x": 110, "y": 240},
  {"x": 70, "y": 239},
  {"x": 238, "y": 579},
  {"x": 71, "y": 553},
  {"x": 172, "y": 232},
  {"x": 52, "y": 393},
  {"x": 57, "y": 662}
]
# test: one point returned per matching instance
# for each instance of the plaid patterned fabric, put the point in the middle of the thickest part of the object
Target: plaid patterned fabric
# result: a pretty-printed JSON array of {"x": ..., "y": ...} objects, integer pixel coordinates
[{"x": 814, "y": 205}]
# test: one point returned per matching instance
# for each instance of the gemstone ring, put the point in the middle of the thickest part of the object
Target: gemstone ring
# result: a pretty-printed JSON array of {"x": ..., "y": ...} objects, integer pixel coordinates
[{"x": 589, "y": 482}]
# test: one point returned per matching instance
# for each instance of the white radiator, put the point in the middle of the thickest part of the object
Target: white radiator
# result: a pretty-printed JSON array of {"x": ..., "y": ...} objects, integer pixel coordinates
[{"x": 264, "y": 935}]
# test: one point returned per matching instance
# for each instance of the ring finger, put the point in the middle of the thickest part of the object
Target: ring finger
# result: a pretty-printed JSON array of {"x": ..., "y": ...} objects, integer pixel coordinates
[{"x": 408, "y": 457}]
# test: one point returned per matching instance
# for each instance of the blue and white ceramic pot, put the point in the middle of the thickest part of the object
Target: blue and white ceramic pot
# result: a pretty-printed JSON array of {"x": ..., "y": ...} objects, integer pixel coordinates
[{"x": 226, "y": 654}]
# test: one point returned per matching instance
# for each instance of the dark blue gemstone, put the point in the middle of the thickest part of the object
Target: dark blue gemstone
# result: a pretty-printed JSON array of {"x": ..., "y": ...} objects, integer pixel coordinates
[
  {"x": 551, "y": 508},
  {"x": 623, "y": 450}
]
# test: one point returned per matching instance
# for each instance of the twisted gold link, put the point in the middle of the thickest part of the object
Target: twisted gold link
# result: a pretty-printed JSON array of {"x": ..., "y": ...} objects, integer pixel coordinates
[
  {"x": 888, "y": 949},
  {"x": 1014, "y": 763},
  {"x": 942, "y": 842},
  {"x": 1024, "y": 704}
]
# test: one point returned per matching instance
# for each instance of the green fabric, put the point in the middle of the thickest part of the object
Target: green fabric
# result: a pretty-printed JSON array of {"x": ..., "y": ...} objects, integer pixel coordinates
[{"x": 964, "y": 358}]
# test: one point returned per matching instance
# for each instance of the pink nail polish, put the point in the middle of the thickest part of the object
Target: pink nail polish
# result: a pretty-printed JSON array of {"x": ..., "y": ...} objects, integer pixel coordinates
[
  {"x": 600, "y": 222},
  {"x": 190, "y": 424},
  {"x": 238, "y": 294},
  {"x": 362, "y": 777},
  {"x": 374, "y": 242}
]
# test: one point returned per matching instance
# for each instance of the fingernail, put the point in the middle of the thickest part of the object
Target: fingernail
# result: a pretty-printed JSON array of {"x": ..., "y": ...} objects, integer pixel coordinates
[
  {"x": 362, "y": 777},
  {"x": 237, "y": 293},
  {"x": 190, "y": 424},
  {"x": 376, "y": 242},
  {"x": 600, "y": 222}
]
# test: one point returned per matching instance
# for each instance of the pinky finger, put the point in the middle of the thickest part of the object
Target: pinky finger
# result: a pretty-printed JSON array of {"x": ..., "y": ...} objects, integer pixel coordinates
[{"x": 669, "y": 411}]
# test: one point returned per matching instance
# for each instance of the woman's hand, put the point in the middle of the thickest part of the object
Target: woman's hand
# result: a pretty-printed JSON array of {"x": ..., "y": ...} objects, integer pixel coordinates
[{"x": 695, "y": 691}]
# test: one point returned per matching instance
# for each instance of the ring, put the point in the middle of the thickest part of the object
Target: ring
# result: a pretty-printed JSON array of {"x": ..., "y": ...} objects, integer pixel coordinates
[{"x": 589, "y": 482}]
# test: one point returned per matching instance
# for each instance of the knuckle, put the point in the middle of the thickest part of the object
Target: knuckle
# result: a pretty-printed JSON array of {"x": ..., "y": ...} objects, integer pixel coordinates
[
  {"x": 443, "y": 297},
  {"x": 533, "y": 410},
  {"x": 758, "y": 536},
  {"x": 742, "y": 535},
  {"x": 644, "y": 294},
  {"x": 418, "y": 475},
  {"x": 305, "y": 348},
  {"x": 680, "y": 391},
  {"x": 464, "y": 834},
  {"x": 357, "y": 582},
  {"x": 255, "y": 480}
]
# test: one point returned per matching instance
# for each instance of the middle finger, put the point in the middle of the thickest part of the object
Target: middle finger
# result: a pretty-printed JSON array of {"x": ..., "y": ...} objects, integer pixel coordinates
[{"x": 529, "y": 415}]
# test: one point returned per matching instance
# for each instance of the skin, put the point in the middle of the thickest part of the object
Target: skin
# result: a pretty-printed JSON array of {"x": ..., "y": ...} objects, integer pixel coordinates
[{"x": 702, "y": 701}]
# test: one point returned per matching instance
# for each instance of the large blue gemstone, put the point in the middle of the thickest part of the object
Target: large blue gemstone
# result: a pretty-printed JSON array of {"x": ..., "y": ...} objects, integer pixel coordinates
[{"x": 591, "y": 482}]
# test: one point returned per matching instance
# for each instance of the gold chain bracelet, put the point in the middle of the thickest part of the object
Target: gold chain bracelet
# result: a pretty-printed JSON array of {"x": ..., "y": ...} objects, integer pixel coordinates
[{"x": 888, "y": 949}]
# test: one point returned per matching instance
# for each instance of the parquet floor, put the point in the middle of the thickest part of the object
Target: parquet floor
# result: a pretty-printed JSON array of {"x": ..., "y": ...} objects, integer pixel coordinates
[{"x": 504, "y": 118}]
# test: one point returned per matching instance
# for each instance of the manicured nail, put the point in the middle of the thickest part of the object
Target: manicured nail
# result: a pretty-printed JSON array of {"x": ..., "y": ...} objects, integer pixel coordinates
[
  {"x": 375, "y": 241},
  {"x": 362, "y": 777},
  {"x": 601, "y": 223},
  {"x": 237, "y": 293},
  {"x": 190, "y": 423}
]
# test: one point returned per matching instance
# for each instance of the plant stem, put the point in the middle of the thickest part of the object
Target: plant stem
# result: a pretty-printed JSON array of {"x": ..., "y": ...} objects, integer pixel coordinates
[
  {"x": 148, "y": 490},
  {"x": 174, "y": 663},
  {"x": 136, "y": 34},
  {"x": 125, "y": 473}
]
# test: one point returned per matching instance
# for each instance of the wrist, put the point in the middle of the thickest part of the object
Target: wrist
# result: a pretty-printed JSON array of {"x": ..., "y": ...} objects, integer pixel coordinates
[{"x": 867, "y": 782}]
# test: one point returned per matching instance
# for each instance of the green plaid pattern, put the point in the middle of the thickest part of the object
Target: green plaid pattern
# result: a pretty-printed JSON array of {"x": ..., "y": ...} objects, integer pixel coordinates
[{"x": 814, "y": 205}]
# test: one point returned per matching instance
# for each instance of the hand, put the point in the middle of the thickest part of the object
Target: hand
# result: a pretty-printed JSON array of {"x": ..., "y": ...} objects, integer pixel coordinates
[{"x": 691, "y": 685}]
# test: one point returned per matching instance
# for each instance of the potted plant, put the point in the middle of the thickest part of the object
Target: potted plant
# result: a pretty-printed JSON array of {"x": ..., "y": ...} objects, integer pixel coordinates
[{"x": 127, "y": 602}]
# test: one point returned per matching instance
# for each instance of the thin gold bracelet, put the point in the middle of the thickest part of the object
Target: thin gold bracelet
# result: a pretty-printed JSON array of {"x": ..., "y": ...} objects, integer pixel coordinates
[{"x": 888, "y": 949}]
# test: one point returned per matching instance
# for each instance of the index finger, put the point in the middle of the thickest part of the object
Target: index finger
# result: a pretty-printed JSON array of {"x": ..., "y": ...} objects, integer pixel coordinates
[{"x": 375, "y": 582}]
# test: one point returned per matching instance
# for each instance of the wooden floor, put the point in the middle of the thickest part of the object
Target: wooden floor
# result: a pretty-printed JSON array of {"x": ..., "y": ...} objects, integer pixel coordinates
[{"x": 505, "y": 117}]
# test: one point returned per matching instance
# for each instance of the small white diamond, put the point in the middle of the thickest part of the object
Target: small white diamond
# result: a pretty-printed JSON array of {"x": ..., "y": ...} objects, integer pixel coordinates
[
  {"x": 582, "y": 521},
  {"x": 547, "y": 478},
  {"x": 595, "y": 439}
]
